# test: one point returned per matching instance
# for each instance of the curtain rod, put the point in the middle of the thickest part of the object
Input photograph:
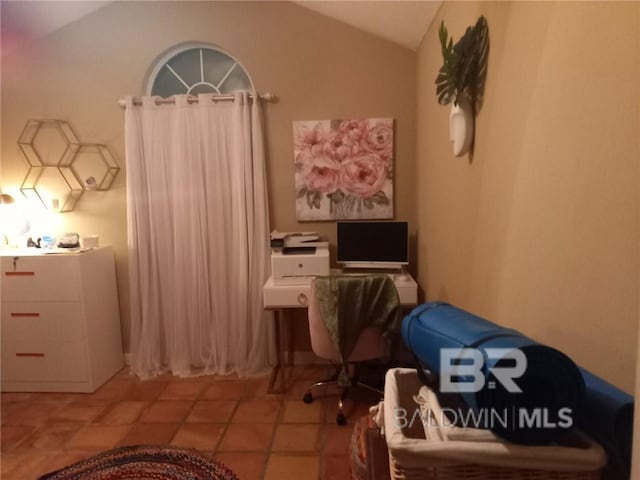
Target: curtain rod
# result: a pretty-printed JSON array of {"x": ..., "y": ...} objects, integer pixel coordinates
[{"x": 267, "y": 96}]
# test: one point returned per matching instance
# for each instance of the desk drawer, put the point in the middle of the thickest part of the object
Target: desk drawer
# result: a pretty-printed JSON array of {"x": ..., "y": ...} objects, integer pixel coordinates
[
  {"x": 289, "y": 296},
  {"x": 43, "y": 278},
  {"x": 60, "y": 363},
  {"x": 298, "y": 296},
  {"x": 32, "y": 323}
]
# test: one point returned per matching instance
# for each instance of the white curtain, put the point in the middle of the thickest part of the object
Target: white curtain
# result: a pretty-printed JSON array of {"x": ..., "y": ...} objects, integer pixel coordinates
[{"x": 198, "y": 234}]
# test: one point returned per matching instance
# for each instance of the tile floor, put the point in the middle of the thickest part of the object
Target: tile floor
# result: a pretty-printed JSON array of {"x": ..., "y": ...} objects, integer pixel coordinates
[{"x": 260, "y": 436}]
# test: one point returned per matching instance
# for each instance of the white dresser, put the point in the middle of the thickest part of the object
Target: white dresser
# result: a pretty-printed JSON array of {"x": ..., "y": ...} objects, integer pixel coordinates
[{"x": 60, "y": 321}]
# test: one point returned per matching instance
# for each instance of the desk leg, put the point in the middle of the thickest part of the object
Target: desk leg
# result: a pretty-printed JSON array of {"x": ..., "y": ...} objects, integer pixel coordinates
[
  {"x": 288, "y": 325},
  {"x": 282, "y": 320},
  {"x": 278, "y": 369}
]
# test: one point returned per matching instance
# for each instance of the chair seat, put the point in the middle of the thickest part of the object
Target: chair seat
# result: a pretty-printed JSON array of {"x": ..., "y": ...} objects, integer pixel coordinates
[{"x": 370, "y": 345}]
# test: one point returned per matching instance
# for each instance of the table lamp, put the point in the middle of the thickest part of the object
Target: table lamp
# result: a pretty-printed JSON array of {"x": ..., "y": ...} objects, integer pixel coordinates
[{"x": 13, "y": 224}]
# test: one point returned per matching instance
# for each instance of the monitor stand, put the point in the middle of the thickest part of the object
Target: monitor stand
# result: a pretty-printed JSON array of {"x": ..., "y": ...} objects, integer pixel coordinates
[
  {"x": 399, "y": 274},
  {"x": 388, "y": 267}
]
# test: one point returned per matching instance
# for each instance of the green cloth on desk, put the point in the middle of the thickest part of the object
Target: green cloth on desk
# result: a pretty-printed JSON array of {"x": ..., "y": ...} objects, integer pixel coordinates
[{"x": 351, "y": 303}]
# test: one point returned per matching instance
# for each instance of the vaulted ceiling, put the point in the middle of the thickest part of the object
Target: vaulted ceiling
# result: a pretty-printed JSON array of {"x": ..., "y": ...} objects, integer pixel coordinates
[{"x": 402, "y": 22}]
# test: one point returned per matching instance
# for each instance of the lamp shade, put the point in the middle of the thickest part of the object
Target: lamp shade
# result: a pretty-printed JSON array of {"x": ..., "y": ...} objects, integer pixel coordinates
[{"x": 6, "y": 199}]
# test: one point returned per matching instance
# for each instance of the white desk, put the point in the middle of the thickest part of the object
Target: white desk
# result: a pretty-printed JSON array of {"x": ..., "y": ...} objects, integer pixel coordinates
[{"x": 282, "y": 298}]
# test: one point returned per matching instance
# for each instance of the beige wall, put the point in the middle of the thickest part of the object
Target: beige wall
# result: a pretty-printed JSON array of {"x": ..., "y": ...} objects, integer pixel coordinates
[
  {"x": 319, "y": 68},
  {"x": 538, "y": 229}
]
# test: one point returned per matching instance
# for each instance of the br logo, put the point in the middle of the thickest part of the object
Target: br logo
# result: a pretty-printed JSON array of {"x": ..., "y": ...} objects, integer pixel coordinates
[{"x": 461, "y": 369}]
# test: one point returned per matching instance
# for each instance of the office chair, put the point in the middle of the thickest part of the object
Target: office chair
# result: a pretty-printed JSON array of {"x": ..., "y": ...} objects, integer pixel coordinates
[{"x": 370, "y": 345}]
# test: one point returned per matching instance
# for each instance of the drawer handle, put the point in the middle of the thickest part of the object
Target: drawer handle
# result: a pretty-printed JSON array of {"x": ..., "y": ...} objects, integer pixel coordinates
[
  {"x": 302, "y": 299},
  {"x": 19, "y": 274},
  {"x": 25, "y": 314},
  {"x": 29, "y": 354}
]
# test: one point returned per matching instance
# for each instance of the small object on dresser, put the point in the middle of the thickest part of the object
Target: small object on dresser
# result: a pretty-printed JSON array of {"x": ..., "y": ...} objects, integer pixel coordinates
[
  {"x": 92, "y": 241},
  {"x": 48, "y": 241},
  {"x": 70, "y": 240},
  {"x": 33, "y": 243}
]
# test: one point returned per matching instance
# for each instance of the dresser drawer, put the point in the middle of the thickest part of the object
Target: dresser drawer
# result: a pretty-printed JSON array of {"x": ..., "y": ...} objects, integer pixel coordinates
[
  {"x": 40, "y": 278},
  {"x": 65, "y": 362},
  {"x": 35, "y": 323},
  {"x": 288, "y": 296}
]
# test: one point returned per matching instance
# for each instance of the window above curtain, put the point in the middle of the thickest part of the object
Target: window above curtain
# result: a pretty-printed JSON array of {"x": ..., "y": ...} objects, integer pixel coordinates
[{"x": 197, "y": 68}]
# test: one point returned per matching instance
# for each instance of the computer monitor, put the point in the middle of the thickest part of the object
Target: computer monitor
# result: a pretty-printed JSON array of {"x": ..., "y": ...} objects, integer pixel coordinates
[{"x": 373, "y": 244}]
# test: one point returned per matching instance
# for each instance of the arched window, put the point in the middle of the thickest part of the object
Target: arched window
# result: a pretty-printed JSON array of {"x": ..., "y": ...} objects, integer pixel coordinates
[{"x": 197, "y": 68}]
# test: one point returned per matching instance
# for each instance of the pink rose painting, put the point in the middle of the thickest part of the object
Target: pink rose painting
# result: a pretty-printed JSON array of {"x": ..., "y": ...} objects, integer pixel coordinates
[{"x": 343, "y": 169}]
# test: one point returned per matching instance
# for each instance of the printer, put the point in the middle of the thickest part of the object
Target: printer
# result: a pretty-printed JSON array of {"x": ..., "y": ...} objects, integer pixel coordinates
[{"x": 297, "y": 266}]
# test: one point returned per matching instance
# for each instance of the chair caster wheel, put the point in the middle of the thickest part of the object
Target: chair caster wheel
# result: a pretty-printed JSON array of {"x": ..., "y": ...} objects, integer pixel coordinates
[
  {"x": 308, "y": 398},
  {"x": 341, "y": 419}
]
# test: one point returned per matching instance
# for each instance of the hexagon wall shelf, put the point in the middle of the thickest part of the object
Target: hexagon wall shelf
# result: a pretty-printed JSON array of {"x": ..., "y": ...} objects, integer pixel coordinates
[
  {"x": 94, "y": 165},
  {"x": 57, "y": 158},
  {"x": 48, "y": 143}
]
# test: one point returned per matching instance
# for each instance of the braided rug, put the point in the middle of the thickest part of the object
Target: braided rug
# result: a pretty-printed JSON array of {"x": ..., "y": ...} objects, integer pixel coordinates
[{"x": 145, "y": 463}]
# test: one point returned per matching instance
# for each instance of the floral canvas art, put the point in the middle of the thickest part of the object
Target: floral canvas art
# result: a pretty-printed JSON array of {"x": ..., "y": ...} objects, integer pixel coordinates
[{"x": 344, "y": 169}]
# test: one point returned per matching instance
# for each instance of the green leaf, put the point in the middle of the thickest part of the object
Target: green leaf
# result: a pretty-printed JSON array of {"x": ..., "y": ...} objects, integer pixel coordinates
[
  {"x": 368, "y": 203},
  {"x": 464, "y": 67},
  {"x": 444, "y": 98},
  {"x": 310, "y": 195},
  {"x": 441, "y": 88},
  {"x": 301, "y": 192},
  {"x": 444, "y": 35},
  {"x": 381, "y": 198},
  {"x": 336, "y": 196},
  {"x": 314, "y": 198}
]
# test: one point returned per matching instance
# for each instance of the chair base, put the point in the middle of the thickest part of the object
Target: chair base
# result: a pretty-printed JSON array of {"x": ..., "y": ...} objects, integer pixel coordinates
[{"x": 344, "y": 391}]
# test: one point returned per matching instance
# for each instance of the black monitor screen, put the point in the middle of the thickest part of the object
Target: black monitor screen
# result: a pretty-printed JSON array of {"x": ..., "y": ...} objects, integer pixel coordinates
[{"x": 373, "y": 242}]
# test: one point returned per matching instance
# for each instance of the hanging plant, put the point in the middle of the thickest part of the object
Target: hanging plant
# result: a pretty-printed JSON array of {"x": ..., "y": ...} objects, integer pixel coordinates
[
  {"x": 461, "y": 80},
  {"x": 464, "y": 66}
]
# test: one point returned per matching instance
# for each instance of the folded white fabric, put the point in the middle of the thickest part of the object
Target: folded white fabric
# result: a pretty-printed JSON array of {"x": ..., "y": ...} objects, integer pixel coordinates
[
  {"x": 438, "y": 427},
  {"x": 377, "y": 412}
]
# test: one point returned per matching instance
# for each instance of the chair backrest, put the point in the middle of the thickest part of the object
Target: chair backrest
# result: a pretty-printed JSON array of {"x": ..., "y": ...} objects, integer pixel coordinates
[{"x": 370, "y": 344}]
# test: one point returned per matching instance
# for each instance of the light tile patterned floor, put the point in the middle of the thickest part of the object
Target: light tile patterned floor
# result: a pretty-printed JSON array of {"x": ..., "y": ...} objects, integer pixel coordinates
[{"x": 260, "y": 436}]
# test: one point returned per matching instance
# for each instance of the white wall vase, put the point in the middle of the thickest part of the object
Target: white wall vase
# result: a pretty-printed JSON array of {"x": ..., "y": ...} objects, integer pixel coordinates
[{"x": 461, "y": 125}]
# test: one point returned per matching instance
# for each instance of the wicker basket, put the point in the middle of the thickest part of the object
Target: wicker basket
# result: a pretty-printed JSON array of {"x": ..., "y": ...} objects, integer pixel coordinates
[
  {"x": 358, "y": 449},
  {"x": 369, "y": 453},
  {"x": 483, "y": 472},
  {"x": 412, "y": 456}
]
